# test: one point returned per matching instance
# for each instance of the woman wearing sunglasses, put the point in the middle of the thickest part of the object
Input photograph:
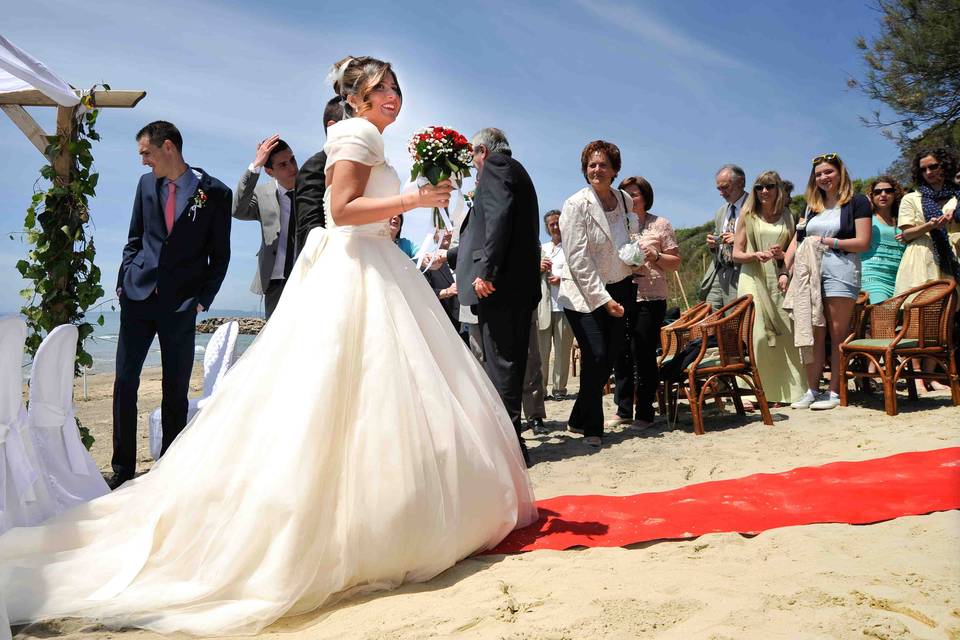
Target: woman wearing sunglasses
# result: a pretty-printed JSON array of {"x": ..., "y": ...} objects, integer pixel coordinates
[
  {"x": 928, "y": 220},
  {"x": 840, "y": 222},
  {"x": 882, "y": 260},
  {"x": 759, "y": 245}
]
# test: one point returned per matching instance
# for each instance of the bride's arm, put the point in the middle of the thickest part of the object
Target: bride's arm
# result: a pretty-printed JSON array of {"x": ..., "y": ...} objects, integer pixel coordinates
[{"x": 349, "y": 206}]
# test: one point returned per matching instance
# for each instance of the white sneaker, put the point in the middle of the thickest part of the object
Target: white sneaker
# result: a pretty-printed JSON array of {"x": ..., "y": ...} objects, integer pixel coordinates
[
  {"x": 805, "y": 400},
  {"x": 827, "y": 401}
]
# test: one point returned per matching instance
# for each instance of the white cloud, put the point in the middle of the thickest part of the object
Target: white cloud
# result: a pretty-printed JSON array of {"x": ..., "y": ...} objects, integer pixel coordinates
[{"x": 662, "y": 35}]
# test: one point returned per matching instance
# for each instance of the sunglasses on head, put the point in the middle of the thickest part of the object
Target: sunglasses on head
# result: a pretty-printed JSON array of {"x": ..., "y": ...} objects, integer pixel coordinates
[
  {"x": 931, "y": 167},
  {"x": 827, "y": 157},
  {"x": 765, "y": 187},
  {"x": 887, "y": 190}
]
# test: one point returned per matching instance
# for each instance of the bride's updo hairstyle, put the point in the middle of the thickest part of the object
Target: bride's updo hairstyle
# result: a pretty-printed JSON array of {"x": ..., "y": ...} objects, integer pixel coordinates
[{"x": 358, "y": 77}]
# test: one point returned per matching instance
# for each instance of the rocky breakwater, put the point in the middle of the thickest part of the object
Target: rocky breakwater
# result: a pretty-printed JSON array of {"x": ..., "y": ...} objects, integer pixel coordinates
[{"x": 249, "y": 326}]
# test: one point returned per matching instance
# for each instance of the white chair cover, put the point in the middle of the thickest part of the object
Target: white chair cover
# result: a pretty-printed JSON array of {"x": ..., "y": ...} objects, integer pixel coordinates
[
  {"x": 70, "y": 471},
  {"x": 24, "y": 499},
  {"x": 216, "y": 361}
]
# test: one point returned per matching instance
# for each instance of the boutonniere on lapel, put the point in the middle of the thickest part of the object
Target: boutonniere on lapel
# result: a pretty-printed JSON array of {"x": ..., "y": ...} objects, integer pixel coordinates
[{"x": 198, "y": 201}]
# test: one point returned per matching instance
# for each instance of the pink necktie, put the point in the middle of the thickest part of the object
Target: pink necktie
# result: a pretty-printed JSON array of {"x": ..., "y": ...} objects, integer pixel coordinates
[{"x": 170, "y": 209}]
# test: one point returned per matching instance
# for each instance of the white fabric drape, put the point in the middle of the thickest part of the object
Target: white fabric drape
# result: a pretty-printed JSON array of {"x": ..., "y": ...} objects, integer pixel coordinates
[{"x": 20, "y": 71}]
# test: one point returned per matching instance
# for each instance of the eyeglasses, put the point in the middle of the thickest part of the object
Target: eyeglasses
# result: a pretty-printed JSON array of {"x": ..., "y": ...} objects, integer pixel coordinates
[
  {"x": 827, "y": 157},
  {"x": 931, "y": 167},
  {"x": 765, "y": 187},
  {"x": 888, "y": 190}
]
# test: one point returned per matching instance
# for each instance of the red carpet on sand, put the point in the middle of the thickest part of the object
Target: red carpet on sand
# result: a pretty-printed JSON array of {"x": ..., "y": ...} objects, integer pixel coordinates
[{"x": 864, "y": 492}]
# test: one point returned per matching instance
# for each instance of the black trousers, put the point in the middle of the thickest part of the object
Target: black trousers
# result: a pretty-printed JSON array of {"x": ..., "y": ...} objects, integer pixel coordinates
[
  {"x": 637, "y": 364},
  {"x": 271, "y": 297},
  {"x": 505, "y": 336},
  {"x": 601, "y": 338},
  {"x": 140, "y": 321}
]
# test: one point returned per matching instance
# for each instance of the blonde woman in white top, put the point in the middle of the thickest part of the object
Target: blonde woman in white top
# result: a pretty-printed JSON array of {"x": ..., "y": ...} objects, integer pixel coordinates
[{"x": 596, "y": 284}]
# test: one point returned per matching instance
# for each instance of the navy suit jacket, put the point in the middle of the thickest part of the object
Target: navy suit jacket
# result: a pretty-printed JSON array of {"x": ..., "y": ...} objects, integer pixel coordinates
[{"x": 185, "y": 267}]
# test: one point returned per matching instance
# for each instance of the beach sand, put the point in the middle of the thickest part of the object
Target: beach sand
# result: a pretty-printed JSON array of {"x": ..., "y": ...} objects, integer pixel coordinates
[{"x": 897, "y": 579}]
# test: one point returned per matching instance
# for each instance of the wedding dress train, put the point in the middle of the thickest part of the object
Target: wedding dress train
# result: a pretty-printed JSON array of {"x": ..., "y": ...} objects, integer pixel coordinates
[{"x": 356, "y": 445}]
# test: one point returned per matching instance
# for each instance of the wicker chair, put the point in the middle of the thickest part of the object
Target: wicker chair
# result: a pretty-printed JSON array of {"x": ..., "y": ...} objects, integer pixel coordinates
[
  {"x": 732, "y": 327},
  {"x": 925, "y": 331},
  {"x": 673, "y": 337}
]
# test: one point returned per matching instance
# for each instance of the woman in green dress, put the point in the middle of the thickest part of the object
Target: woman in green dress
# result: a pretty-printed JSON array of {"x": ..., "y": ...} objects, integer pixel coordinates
[
  {"x": 880, "y": 262},
  {"x": 765, "y": 231}
]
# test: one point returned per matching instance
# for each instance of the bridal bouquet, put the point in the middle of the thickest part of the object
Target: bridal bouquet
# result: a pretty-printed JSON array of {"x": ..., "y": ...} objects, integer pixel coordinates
[{"x": 440, "y": 154}]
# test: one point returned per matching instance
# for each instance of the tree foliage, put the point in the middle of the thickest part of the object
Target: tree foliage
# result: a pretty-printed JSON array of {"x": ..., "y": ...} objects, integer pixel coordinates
[{"x": 913, "y": 67}]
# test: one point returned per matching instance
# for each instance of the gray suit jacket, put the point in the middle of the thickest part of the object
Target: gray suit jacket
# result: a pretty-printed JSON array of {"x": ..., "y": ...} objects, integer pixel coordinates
[
  {"x": 253, "y": 201},
  {"x": 728, "y": 274}
]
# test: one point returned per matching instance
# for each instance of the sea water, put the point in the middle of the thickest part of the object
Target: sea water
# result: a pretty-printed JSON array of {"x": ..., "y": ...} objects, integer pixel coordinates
[{"x": 102, "y": 344}]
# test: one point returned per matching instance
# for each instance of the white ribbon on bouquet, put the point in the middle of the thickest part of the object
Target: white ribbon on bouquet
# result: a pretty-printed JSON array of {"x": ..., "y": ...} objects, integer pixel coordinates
[{"x": 431, "y": 242}]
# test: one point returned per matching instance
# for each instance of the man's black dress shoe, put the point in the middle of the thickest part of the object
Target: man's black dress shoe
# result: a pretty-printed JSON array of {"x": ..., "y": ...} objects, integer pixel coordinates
[
  {"x": 536, "y": 425},
  {"x": 116, "y": 480}
]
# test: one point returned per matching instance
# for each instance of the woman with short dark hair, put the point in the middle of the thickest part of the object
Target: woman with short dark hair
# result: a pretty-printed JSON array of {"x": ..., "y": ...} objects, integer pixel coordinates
[
  {"x": 637, "y": 374},
  {"x": 596, "y": 285}
]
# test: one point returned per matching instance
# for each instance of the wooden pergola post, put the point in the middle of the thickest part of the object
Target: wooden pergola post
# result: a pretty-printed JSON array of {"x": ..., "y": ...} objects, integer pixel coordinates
[{"x": 66, "y": 122}]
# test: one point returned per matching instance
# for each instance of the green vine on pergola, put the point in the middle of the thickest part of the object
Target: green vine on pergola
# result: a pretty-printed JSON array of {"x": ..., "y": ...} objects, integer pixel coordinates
[
  {"x": 65, "y": 282},
  {"x": 64, "y": 279}
]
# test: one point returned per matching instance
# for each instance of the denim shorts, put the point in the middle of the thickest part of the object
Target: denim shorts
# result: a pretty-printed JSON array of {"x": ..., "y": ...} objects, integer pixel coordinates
[{"x": 840, "y": 274}]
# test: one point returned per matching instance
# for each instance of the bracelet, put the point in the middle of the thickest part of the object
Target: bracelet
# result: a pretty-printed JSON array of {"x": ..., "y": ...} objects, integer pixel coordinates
[
  {"x": 836, "y": 243},
  {"x": 402, "y": 210}
]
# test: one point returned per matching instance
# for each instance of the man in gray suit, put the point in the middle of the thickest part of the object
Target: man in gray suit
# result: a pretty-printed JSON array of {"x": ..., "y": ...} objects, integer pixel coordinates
[
  {"x": 719, "y": 284},
  {"x": 272, "y": 203}
]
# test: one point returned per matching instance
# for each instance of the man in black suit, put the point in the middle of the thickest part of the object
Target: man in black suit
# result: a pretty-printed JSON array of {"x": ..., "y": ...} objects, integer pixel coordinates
[
  {"x": 175, "y": 259},
  {"x": 312, "y": 181},
  {"x": 498, "y": 267}
]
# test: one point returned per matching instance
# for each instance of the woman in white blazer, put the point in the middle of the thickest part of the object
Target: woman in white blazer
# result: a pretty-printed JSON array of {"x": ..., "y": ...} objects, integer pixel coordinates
[{"x": 596, "y": 284}]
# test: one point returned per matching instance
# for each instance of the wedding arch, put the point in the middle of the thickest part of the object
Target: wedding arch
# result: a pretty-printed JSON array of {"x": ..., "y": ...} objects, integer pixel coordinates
[{"x": 64, "y": 281}]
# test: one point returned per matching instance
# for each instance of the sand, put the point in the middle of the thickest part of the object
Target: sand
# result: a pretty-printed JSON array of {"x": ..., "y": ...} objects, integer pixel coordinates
[{"x": 897, "y": 579}]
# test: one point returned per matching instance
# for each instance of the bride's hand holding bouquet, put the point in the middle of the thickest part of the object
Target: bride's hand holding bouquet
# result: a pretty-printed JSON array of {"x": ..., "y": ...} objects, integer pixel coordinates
[{"x": 427, "y": 196}]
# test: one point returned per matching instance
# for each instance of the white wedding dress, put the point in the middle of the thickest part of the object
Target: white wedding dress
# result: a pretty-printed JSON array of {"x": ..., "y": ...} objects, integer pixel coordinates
[{"x": 356, "y": 445}]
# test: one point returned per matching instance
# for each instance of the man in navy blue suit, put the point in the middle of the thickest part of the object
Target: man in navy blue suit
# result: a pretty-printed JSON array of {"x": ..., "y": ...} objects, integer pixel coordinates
[{"x": 175, "y": 259}]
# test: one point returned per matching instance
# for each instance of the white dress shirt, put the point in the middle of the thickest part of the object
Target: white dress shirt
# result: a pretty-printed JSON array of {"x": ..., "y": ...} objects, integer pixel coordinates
[{"x": 554, "y": 252}]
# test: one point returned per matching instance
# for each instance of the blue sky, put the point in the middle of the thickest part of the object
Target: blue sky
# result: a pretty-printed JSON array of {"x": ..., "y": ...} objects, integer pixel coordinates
[{"x": 680, "y": 86}]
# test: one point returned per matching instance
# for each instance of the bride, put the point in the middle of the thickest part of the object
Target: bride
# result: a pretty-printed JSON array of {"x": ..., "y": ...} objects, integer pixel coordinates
[{"x": 355, "y": 446}]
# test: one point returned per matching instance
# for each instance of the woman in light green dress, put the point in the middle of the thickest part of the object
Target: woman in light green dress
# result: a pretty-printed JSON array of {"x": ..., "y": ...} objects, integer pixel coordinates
[
  {"x": 880, "y": 263},
  {"x": 765, "y": 231}
]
